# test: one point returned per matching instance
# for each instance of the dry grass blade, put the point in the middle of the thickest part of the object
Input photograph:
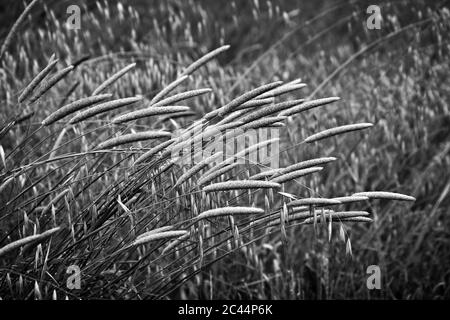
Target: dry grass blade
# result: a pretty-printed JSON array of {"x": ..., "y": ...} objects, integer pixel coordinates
[
  {"x": 104, "y": 107},
  {"x": 147, "y": 112},
  {"x": 53, "y": 80},
  {"x": 73, "y": 107},
  {"x": 295, "y": 174},
  {"x": 313, "y": 201},
  {"x": 31, "y": 239},
  {"x": 15, "y": 27},
  {"x": 307, "y": 105},
  {"x": 241, "y": 185},
  {"x": 207, "y": 57},
  {"x": 159, "y": 236},
  {"x": 226, "y": 211},
  {"x": 113, "y": 79},
  {"x": 338, "y": 130},
  {"x": 133, "y": 137},
  {"x": 37, "y": 80},
  {"x": 167, "y": 89},
  {"x": 385, "y": 195}
]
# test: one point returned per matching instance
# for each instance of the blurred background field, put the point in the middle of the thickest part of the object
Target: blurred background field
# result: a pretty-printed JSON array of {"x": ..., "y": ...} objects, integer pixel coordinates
[{"x": 396, "y": 77}]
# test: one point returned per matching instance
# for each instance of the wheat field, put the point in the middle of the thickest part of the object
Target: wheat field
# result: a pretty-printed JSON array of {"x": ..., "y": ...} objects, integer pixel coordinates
[{"x": 241, "y": 150}]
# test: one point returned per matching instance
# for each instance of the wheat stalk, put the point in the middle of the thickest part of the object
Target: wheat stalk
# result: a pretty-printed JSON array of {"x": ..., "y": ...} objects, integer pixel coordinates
[{"x": 73, "y": 107}]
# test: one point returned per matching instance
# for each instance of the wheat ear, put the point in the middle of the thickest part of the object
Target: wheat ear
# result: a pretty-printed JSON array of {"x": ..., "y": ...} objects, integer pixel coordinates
[
  {"x": 53, "y": 80},
  {"x": 337, "y": 130},
  {"x": 201, "y": 61},
  {"x": 241, "y": 185},
  {"x": 385, "y": 195},
  {"x": 73, "y": 107},
  {"x": 113, "y": 79},
  {"x": 104, "y": 107},
  {"x": 167, "y": 89},
  {"x": 147, "y": 112},
  {"x": 308, "y": 105},
  {"x": 133, "y": 137},
  {"x": 37, "y": 80},
  {"x": 34, "y": 238}
]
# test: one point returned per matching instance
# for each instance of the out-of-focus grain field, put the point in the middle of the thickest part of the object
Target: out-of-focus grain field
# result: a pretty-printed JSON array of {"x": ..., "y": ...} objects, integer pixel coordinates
[{"x": 395, "y": 77}]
